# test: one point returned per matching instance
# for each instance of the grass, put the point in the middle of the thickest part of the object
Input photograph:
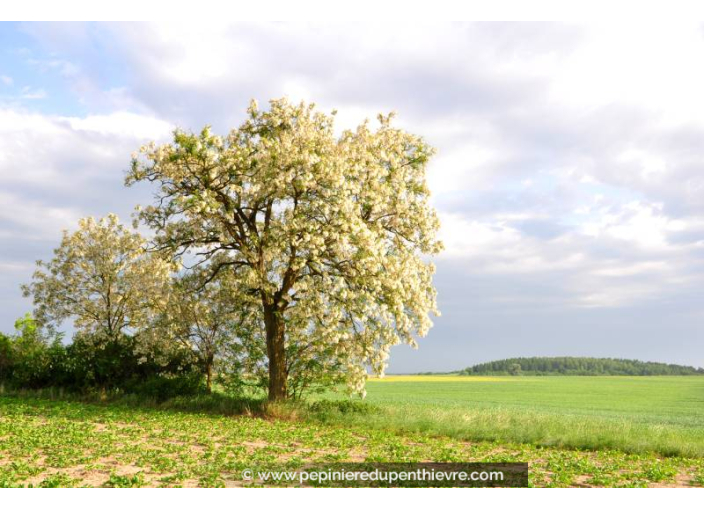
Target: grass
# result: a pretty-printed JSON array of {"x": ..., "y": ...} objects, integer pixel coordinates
[
  {"x": 573, "y": 431},
  {"x": 664, "y": 415}
]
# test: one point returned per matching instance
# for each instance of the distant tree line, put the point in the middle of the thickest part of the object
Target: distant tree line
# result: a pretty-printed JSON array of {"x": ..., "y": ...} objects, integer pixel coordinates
[{"x": 566, "y": 365}]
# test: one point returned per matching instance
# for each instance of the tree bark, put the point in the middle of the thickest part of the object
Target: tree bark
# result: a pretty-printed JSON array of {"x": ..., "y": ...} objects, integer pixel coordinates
[
  {"x": 276, "y": 352},
  {"x": 209, "y": 374}
]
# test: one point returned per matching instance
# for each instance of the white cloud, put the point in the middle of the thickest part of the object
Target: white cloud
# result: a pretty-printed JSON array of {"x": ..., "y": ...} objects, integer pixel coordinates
[
  {"x": 643, "y": 225},
  {"x": 30, "y": 93},
  {"x": 64, "y": 67},
  {"x": 24, "y": 218},
  {"x": 54, "y": 170},
  {"x": 122, "y": 124}
]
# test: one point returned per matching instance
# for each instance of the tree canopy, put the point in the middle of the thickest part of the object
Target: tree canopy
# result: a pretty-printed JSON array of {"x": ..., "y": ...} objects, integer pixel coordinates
[
  {"x": 101, "y": 277},
  {"x": 323, "y": 238}
]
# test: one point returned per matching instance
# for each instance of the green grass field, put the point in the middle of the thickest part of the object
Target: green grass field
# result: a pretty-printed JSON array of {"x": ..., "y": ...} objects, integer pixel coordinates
[
  {"x": 636, "y": 414},
  {"x": 574, "y": 431}
]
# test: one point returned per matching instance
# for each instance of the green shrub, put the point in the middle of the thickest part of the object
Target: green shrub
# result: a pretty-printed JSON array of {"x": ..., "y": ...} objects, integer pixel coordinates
[
  {"x": 32, "y": 359},
  {"x": 29, "y": 360},
  {"x": 164, "y": 387},
  {"x": 6, "y": 358}
]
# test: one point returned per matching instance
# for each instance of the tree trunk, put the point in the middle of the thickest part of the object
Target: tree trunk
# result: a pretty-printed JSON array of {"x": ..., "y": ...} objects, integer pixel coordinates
[
  {"x": 209, "y": 375},
  {"x": 276, "y": 352}
]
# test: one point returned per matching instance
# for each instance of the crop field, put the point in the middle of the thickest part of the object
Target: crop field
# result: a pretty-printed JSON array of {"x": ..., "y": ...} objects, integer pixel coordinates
[
  {"x": 664, "y": 415},
  {"x": 573, "y": 431}
]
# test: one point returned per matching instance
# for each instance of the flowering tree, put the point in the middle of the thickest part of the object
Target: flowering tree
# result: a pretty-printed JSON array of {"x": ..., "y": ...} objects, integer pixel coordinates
[
  {"x": 101, "y": 277},
  {"x": 203, "y": 319},
  {"x": 323, "y": 234}
]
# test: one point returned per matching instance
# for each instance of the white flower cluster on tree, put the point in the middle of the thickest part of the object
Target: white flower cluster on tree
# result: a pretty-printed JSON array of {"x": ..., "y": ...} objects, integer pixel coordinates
[{"x": 103, "y": 278}]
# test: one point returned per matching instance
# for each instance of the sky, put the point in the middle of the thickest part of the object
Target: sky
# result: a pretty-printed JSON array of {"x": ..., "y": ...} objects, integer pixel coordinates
[{"x": 569, "y": 177}]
